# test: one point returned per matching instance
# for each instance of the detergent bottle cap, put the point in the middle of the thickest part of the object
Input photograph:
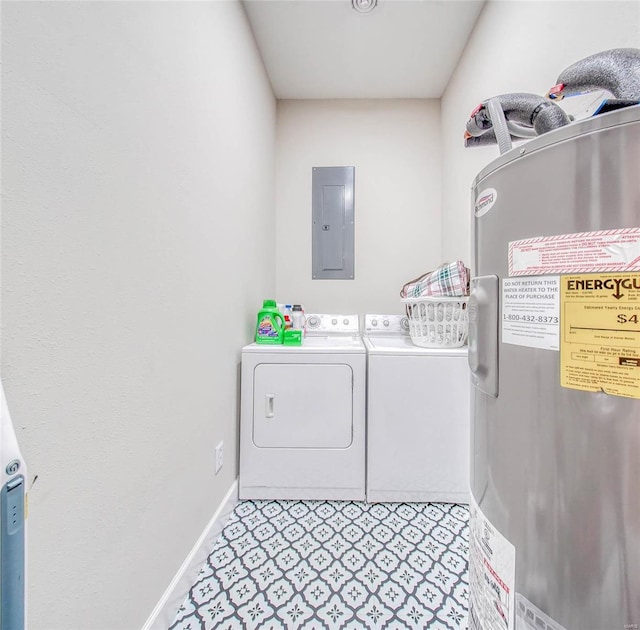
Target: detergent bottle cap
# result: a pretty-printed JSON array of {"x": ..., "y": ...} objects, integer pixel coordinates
[{"x": 269, "y": 304}]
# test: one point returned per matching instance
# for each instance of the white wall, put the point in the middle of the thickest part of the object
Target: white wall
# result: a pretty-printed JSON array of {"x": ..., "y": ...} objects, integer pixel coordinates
[
  {"x": 395, "y": 148},
  {"x": 137, "y": 242},
  {"x": 516, "y": 46}
]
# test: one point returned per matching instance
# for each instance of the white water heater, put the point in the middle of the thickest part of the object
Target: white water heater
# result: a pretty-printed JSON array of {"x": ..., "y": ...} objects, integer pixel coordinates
[{"x": 13, "y": 475}]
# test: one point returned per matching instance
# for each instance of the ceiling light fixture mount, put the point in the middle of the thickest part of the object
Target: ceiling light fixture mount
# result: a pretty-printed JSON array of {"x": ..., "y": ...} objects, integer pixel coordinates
[{"x": 364, "y": 6}]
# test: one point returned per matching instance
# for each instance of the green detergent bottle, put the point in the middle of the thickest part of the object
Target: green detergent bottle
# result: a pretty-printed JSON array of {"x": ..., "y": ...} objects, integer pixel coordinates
[{"x": 270, "y": 327}]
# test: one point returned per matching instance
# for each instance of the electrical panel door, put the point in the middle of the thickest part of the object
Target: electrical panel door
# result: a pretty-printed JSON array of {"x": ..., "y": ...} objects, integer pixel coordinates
[{"x": 333, "y": 233}]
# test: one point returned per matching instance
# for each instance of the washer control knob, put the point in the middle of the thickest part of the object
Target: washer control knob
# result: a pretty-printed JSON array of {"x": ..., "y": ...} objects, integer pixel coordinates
[
  {"x": 313, "y": 322},
  {"x": 345, "y": 321},
  {"x": 386, "y": 322},
  {"x": 334, "y": 321},
  {"x": 404, "y": 323},
  {"x": 374, "y": 322}
]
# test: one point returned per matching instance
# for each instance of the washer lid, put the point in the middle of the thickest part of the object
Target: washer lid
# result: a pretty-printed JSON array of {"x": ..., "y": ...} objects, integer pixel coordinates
[{"x": 400, "y": 345}]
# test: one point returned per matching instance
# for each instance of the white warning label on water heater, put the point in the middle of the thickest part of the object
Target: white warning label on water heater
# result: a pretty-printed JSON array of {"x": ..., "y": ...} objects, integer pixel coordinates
[
  {"x": 581, "y": 252},
  {"x": 492, "y": 575},
  {"x": 531, "y": 312}
]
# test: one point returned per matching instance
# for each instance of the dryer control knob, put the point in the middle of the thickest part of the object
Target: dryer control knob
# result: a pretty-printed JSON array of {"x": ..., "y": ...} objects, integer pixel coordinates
[
  {"x": 313, "y": 322},
  {"x": 374, "y": 322},
  {"x": 386, "y": 322},
  {"x": 345, "y": 321},
  {"x": 334, "y": 321},
  {"x": 404, "y": 323}
]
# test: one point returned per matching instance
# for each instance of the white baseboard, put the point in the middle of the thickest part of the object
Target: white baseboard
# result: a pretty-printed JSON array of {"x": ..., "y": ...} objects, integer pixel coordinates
[{"x": 165, "y": 611}]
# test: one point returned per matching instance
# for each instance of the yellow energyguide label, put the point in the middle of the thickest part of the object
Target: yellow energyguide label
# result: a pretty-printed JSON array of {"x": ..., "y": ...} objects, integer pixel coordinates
[{"x": 600, "y": 333}]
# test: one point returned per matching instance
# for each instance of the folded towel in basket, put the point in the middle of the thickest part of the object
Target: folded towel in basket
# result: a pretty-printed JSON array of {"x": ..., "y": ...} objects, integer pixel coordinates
[{"x": 448, "y": 280}]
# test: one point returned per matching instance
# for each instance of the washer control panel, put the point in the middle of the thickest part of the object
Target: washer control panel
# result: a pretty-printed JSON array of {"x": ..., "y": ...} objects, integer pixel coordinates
[
  {"x": 386, "y": 324},
  {"x": 328, "y": 324}
]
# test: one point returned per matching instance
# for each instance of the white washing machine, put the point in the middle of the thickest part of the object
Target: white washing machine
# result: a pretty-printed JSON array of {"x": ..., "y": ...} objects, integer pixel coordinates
[
  {"x": 302, "y": 425},
  {"x": 418, "y": 416}
]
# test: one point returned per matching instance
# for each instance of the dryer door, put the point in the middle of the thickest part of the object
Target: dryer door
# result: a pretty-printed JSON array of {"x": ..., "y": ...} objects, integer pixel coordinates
[{"x": 302, "y": 405}]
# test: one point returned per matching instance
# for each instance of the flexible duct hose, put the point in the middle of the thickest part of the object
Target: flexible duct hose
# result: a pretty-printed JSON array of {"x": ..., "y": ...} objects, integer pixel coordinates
[
  {"x": 518, "y": 132},
  {"x": 499, "y": 123},
  {"x": 529, "y": 114}
]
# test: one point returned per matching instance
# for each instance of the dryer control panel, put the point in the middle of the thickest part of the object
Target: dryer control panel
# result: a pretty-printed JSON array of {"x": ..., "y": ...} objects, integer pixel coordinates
[
  {"x": 386, "y": 324},
  {"x": 328, "y": 324}
]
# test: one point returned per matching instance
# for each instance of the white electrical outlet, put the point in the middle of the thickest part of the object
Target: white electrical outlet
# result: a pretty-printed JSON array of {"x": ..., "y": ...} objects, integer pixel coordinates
[{"x": 219, "y": 456}]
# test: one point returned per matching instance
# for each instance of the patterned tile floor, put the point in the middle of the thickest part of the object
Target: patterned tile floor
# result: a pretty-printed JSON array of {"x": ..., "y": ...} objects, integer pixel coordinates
[{"x": 330, "y": 565}]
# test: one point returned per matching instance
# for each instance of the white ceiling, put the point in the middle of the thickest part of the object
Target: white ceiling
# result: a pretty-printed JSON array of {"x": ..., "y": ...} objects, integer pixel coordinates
[{"x": 325, "y": 49}]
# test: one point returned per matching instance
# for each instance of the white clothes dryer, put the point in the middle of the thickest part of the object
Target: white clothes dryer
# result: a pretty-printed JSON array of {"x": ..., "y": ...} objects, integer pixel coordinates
[
  {"x": 418, "y": 416},
  {"x": 302, "y": 425}
]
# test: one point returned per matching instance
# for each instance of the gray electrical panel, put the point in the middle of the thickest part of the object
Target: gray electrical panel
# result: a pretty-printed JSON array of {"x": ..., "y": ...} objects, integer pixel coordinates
[{"x": 333, "y": 233}]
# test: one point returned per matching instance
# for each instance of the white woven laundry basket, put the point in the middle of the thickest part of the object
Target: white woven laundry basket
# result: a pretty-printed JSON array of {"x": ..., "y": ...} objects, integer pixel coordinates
[{"x": 437, "y": 322}]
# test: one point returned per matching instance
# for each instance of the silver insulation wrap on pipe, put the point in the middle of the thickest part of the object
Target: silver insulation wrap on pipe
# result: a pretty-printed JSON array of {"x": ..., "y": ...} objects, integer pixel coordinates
[
  {"x": 503, "y": 119},
  {"x": 617, "y": 71}
]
